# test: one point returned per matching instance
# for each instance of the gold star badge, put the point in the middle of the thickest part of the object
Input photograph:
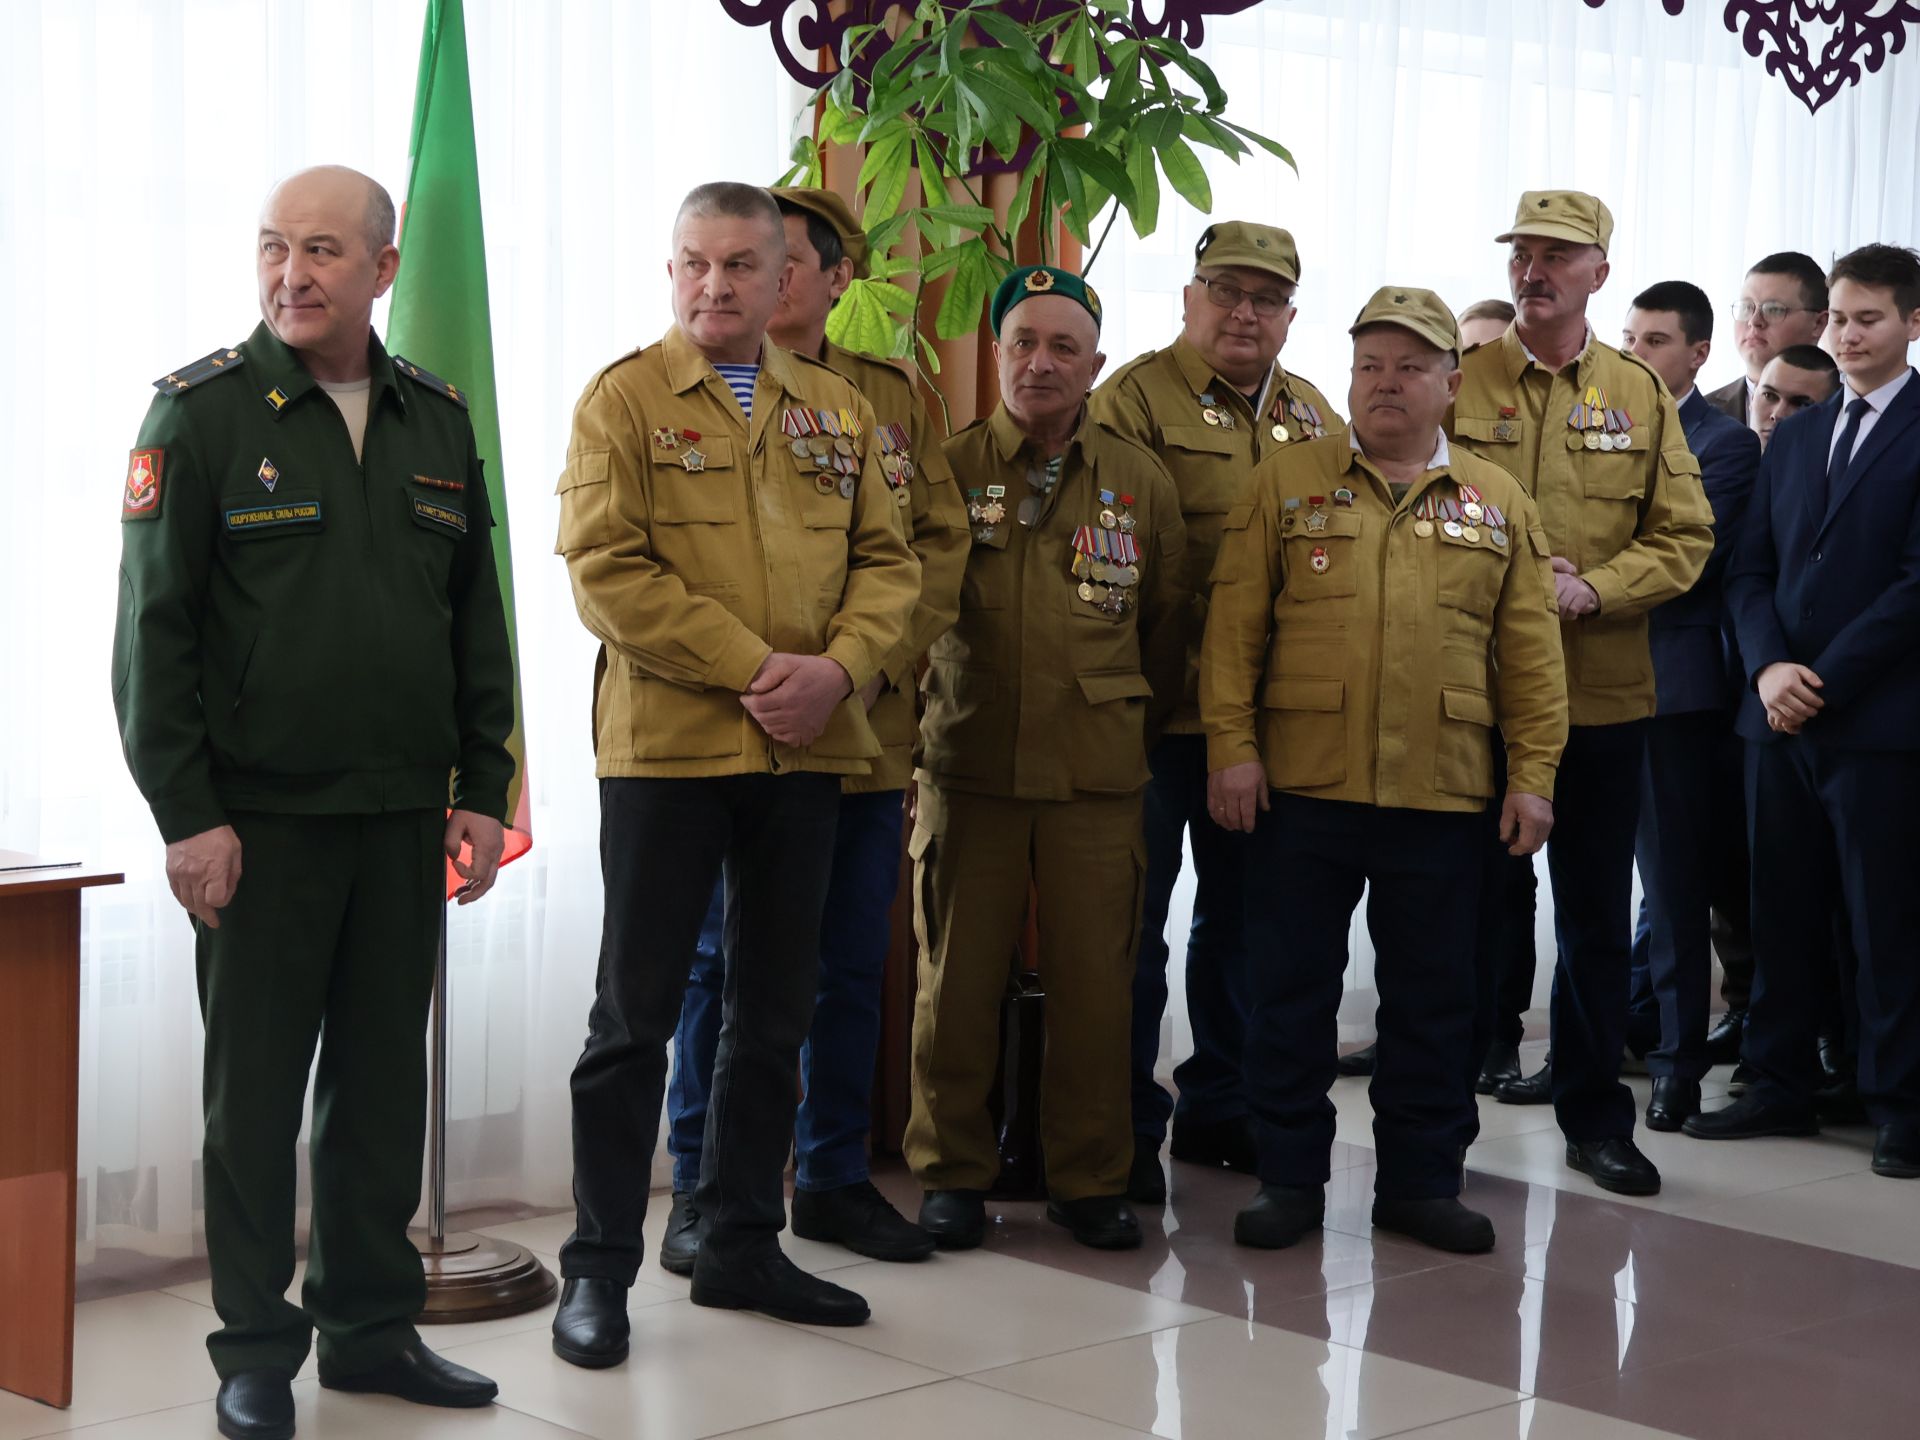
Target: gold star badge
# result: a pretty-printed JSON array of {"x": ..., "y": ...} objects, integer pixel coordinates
[{"x": 694, "y": 462}]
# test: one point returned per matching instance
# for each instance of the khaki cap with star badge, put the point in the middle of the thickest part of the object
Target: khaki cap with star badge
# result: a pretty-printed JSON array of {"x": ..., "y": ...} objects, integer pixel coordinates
[
  {"x": 1257, "y": 247},
  {"x": 1420, "y": 311},
  {"x": 1562, "y": 215}
]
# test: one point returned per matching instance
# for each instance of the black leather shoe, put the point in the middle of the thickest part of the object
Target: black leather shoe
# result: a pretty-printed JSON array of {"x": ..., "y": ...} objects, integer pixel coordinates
[
  {"x": 1536, "y": 1089},
  {"x": 1615, "y": 1165},
  {"x": 1896, "y": 1152},
  {"x": 1445, "y": 1224},
  {"x": 1836, "y": 1066},
  {"x": 1102, "y": 1222},
  {"x": 1360, "y": 1062},
  {"x": 1280, "y": 1215},
  {"x": 1146, "y": 1179},
  {"x": 1750, "y": 1117},
  {"x": 419, "y": 1375},
  {"x": 680, "y": 1246},
  {"x": 1226, "y": 1143},
  {"x": 1839, "y": 1104},
  {"x": 1501, "y": 1065},
  {"x": 1742, "y": 1079},
  {"x": 859, "y": 1217},
  {"x": 956, "y": 1219},
  {"x": 1674, "y": 1102},
  {"x": 1723, "y": 1040},
  {"x": 774, "y": 1285},
  {"x": 590, "y": 1327},
  {"x": 255, "y": 1405}
]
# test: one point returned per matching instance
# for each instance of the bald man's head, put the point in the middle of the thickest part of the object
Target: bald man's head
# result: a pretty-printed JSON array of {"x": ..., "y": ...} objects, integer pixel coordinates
[{"x": 325, "y": 254}]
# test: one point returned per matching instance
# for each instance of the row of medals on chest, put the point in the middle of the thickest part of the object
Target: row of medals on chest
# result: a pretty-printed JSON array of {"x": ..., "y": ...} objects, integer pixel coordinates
[
  {"x": 1308, "y": 422},
  {"x": 1460, "y": 519},
  {"x": 1592, "y": 424},
  {"x": 1106, "y": 556}
]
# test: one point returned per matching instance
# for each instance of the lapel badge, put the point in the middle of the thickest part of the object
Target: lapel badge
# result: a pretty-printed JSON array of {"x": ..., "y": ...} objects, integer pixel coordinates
[{"x": 269, "y": 475}]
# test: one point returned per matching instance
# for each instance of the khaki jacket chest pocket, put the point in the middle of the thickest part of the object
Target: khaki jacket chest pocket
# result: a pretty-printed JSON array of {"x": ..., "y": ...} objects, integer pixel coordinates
[
  {"x": 1322, "y": 564},
  {"x": 1468, "y": 574},
  {"x": 706, "y": 496},
  {"x": 1303, "y": 732},
  {"x": 1617, "y": 474},
  {"x": 1210, "y": 467}
]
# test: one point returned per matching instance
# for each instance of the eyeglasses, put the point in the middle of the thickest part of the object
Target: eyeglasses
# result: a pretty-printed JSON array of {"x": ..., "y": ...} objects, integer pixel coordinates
[
  {"x": 1266, "y": 303},
  {"x": 1772, "y": 311}
]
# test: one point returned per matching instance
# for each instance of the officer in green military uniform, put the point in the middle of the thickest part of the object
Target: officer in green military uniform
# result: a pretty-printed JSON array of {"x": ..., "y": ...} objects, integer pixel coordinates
[
  {"x": 1595, "y": 439},
  {"x": 1040, "y": 702},
  {"x": 1211, "y": 405},
  {"x": 310, "y": 666}
]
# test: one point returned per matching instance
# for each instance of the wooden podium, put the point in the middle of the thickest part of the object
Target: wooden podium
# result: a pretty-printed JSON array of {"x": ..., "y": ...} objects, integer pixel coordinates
[{"x": 39, "y": 1118}]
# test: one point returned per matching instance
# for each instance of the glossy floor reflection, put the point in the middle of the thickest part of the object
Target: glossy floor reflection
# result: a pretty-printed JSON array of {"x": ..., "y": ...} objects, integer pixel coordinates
[{"x": 1756, "y": 1298}]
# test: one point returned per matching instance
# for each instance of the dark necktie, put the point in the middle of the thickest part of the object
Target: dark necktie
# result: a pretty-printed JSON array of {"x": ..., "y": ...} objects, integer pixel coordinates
[{"x": 1827, "y": 485}]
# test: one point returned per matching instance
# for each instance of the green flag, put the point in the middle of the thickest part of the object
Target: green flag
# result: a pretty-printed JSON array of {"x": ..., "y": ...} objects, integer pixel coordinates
[{"x": 440, "y": 318}]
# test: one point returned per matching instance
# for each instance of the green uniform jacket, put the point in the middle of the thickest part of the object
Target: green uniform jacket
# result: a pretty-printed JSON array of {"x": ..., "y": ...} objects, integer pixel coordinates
[
  {"x": 1161, "y": 400},
  {"x": 1628, "y": 509},
  {"x": 299, "y": 631},
  {"x": 1038, "y": 692}
]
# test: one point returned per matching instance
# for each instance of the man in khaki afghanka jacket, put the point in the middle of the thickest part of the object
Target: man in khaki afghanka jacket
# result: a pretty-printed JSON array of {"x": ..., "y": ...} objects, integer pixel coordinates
[
  {"x": 743, "y": 594},
  {"x": 833, "y": 1198},
  {"x": 1039, "y": 706},
  {"x": 1347, "y": 681},
  {"x": 1595, "y": 439},
  {"x": 1211, "y": 405}
]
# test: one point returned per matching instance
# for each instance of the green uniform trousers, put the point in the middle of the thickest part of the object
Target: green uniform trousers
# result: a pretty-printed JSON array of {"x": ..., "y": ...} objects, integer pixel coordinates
[
  {"x": 976, "y": 859},
  {"x": 331, "y": 939}
]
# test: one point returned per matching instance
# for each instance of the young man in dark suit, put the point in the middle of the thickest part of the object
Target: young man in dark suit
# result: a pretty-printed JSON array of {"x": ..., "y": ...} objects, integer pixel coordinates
[
  {"x": 1690, "y": 847},
  {"x": 1783, "y": 302},
  {"x": 1825, "y": 593}
]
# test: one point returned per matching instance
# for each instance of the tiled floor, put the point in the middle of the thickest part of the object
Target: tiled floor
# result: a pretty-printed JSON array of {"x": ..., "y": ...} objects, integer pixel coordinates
[{"x": 1771, "y": 1290}]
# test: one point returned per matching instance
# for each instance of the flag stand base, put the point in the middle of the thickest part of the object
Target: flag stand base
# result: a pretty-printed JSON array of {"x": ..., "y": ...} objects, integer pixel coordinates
[{"x": 477, "y": 1277}]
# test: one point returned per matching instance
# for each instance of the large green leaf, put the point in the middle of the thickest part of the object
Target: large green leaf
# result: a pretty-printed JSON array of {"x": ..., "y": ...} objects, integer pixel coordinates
[
  {"x": 1186, "y": 174},
  {"x": 1272, "y": 147},
  {"x": 863, "y": 320},
  {"x": 1145, "y": 210},
  {"x": 884, "y": 174},
  {"x": 1100, "y": 165},
  {"x": 973, "y": 280}
]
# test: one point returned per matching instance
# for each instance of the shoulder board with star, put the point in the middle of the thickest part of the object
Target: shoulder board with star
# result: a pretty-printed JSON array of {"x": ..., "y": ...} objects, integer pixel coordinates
[
  {"x": 219, "y": 362},
  {"x": 432, "y": 381}
]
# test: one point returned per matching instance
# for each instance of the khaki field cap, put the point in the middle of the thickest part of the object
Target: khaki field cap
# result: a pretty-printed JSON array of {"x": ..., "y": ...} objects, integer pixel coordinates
[
  {"x": 835, "y": 211},
  {"x": 1421, "y": 311},
  {"x": 1258, "y": 247},
  {"x": 1562, "y": 215}
]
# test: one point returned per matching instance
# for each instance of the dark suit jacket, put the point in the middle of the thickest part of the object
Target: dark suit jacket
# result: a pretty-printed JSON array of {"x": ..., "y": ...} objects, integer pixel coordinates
[
  {"x": 1731, "y": 400},
  {"x": 1684, "y": 635},
  {"x": 1840, "y": 592}
]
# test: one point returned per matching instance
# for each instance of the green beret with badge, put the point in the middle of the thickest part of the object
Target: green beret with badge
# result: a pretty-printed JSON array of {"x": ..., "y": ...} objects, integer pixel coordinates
[
  {"x": 1562, "y": 215},
  {"x": 1031, "y": 280},
  {"x": 1254, "y": 247},
  {"x": 830, "y": 207}
]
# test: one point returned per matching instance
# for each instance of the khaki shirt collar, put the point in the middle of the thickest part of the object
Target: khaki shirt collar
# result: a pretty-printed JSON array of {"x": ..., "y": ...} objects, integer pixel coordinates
[
  {"x": 1009, "y": 439},
  {"x": 1437, "y": 466},
  {"x": 1518, "y": 357},
  {"x": 688, "y": 366},
  {"x": 275, "y": 367},
  {"x": 1202, "y": 378}
]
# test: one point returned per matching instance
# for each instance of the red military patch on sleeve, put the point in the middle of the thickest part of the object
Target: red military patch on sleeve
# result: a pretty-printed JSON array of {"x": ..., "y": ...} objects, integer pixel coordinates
[{"x": 141, "y": 499}]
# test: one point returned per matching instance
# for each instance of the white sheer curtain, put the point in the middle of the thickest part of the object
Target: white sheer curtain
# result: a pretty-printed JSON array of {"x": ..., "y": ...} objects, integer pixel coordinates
[
  {"x": 136, "y": 142},
  {"x": 1417, "y": 123}
]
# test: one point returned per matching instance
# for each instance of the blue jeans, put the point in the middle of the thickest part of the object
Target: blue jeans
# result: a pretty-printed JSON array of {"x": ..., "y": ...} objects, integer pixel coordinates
[
  {"x": 836, "y": 1062},
  {"x": 1208, "y": 1080}
]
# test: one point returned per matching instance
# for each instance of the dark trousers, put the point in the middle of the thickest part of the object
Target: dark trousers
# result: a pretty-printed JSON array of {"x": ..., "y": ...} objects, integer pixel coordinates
[
  {"x": 1209, "y": 1079},
  {"x": 1309, "y": 860},
  {"x": 662, "y": 842},
  {"x": 1835, "y": 829},
  {"x": 1596, "y": 810},
  {"x": 1679, "y": 848},
  {"x": 331, "y": 940},
  {"x": 1504, "y": 945},
  {"x": 836, "y": 1062}
]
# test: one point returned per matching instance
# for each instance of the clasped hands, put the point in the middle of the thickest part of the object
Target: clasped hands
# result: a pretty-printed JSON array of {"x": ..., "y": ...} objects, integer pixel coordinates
[
  {"x": 1790, "y": 693},
  {"x": 1574, "y": 596},
  {"x": 792, "y": 697}
]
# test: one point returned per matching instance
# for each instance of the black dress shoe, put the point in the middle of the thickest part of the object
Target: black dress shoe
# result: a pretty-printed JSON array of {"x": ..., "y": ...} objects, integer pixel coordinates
[
  {"x": 255, "y": 1405},
  {"x": 1536, "y": 1089},
  {"x": 1445, "y": 1224},
  {"x": 859, "y": 1217},
  {"x": 1742, "y": 1079},
  {"x": 1836, "y": 1066},
  {"x": 1750, "y": 1117},
  {"x": 1723, "y": 1040},
  {"x": 956, "y": 1219},
  {"x": 1226, "y": 1143},
  {"x": 1280, "y": 1215},
  {"x": 1674, "y": 1102},
  {"x": 1501, "y": 1065},
  {"x": 590, "y": 1327},
  {"x": 1146, "y": 1179},
  {"x": 774, "y": 1285},
  {"x": 1896, "y": 1151},
  {"x": 419, "y": 1375},
  {"x": 1103, "y": 1222},
  {"x": 1615, "y": 1165},
  {"x": 680, "y": 1246},
  {"x": 1360, "y": 1062}
]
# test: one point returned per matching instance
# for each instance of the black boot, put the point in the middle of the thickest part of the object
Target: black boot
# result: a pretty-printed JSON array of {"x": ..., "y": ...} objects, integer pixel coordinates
[
  {"x": 1674, "y": 1102},
  {"x": 255, "y": 1405},
  {"x": 859, "y": 1217},
  {"x": 419, "y": 1375},
  {"x": 1445, "y": 1224},
  {"x": 1360, "y": 1062},
  {"x": 957, "y": 1219},
  {"x": 590, "y": 1327},
  {"x": 1146, "y": 1178},
  {"x": 1280, "y": 1215},
  {"x": 1723, "y": 1040},
  {"x": 1896, "y": 1151},
  {"x": 1536, "y": 1089},
  {"x": 1614, "y": 1164},
  {"x": 772, "y": 1284},
  {"x": 680, "y": 1246},
  {"x": 1103, "y": 1222},
  {"x": 1501, "y": 1065},
  {"x": 1751, "y": 1117}
]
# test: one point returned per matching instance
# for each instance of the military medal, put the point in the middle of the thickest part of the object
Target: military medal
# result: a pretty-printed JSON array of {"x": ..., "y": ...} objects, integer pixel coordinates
[
  {"x": 1423, "y": 528},
  {"x": 1108, "y": 520},
  {"x": 1452, "y": 528},
  {"x": 1085, "y": 591},
  {"x": 977, "y": 513},
  {"x": 1343, "y": 497},
  {"x": 269, "y": 476},
  {"x": 1317, "y": 521},
  {"x": 995, "y": 510},
  {"x": 1127, "y": 522},
  {"x": 1469, "y": 534},
  {"x": 1318, "y": 560},
  {"x": 1210, "y": 415},
  {"x": 1470, "y": 508},
  {"x": 694, "y": 461}
]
